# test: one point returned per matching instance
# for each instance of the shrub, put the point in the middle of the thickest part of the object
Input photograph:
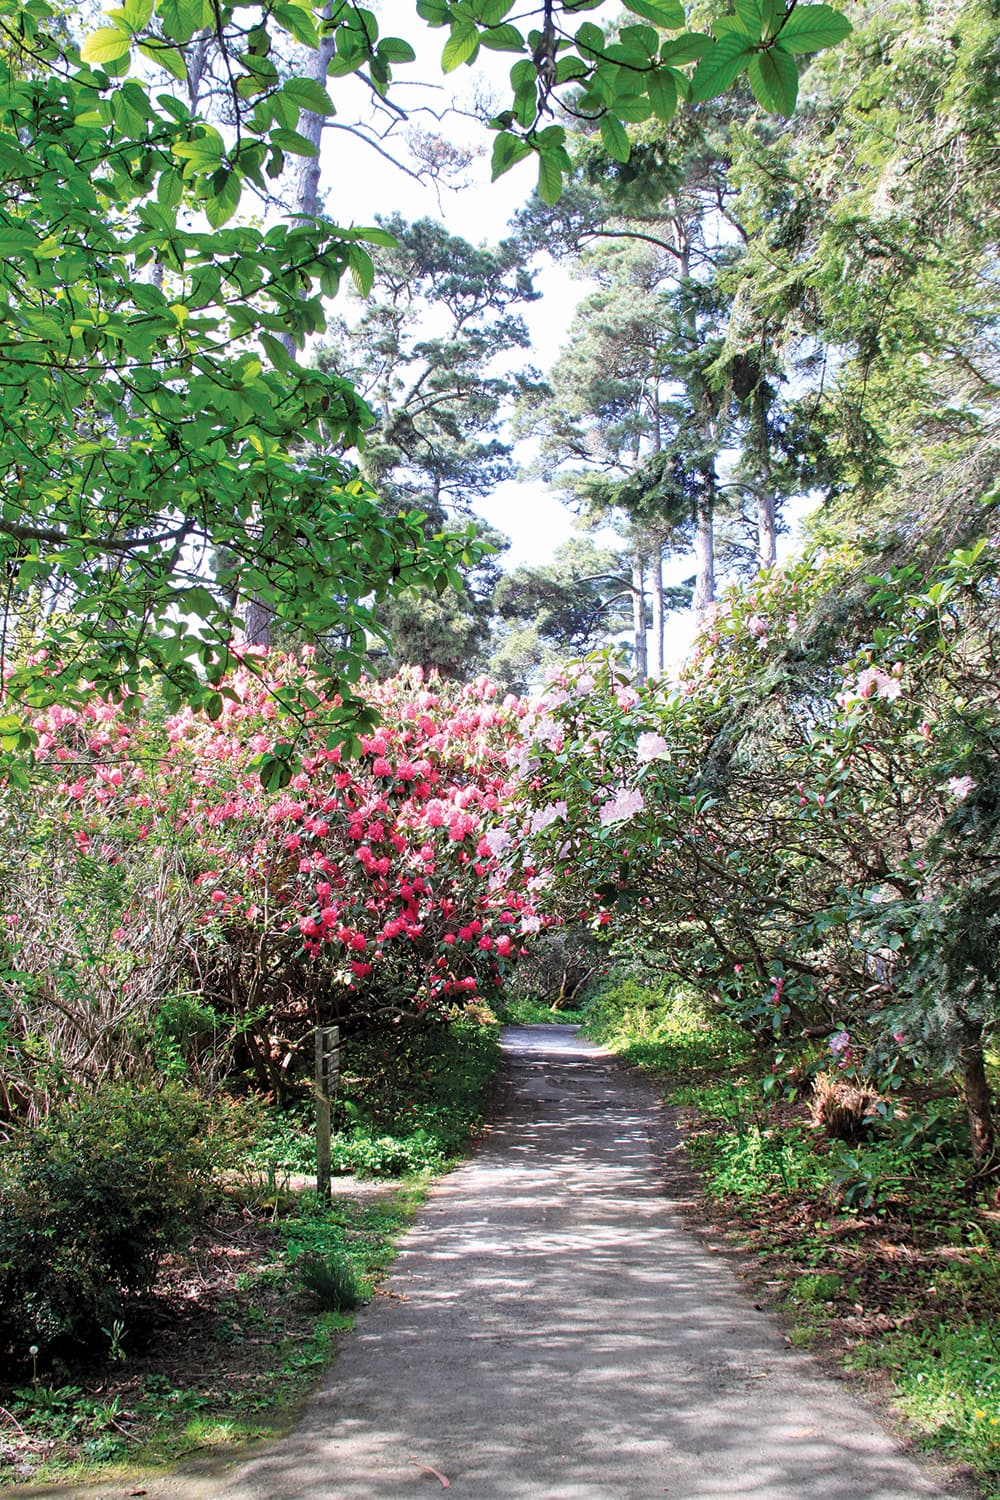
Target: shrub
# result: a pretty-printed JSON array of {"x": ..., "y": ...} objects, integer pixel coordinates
[{"x": 89, "y": 1202}]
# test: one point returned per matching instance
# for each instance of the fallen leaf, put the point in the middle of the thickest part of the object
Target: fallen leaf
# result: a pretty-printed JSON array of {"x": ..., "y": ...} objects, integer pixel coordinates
[{"x": 428, "y": 1469}]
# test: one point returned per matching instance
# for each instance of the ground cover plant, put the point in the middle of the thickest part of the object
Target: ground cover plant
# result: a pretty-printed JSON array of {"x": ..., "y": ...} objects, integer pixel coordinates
[
  {"x": 231, "y": 1306},
  {"x": 241, "y": 1321},
  {"x": 880, "y": 1251}
]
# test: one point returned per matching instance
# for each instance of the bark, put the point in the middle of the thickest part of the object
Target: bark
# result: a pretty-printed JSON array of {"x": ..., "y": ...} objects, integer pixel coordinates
[
  {"x": 978, "y": 1104},
  {"x": 639, "y": 621},
  {"x": 259, "y": 616},
  {"x": 704, "y": 552},
  {"x": 767, "y": 529},
  {"x": 656, "y": 592}
]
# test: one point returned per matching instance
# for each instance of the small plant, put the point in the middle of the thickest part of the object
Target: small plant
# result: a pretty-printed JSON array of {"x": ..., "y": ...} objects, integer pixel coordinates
[
  {"x": 840, "y": 1108},
  {"x": 331, "y": 1280}
]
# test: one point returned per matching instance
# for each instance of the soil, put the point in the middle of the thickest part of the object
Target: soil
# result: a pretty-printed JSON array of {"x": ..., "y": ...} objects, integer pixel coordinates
[{"x": 554, "y": 1330}]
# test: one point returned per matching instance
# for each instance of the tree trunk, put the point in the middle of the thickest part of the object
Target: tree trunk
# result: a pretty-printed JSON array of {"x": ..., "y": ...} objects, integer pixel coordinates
[
  {"x": 767, "y": 529},
  {"x": 656, "y": 592},
  {"x": 704, "y": 552},
  {"x": 641, "y": 662},
  {"x": 260, "y": 616},
  {"x": 978, "y": 1103}
]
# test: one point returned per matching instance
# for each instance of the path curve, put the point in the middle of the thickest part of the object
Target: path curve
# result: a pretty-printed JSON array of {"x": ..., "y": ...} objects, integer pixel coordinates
[{"x": 554, "y": 1333}]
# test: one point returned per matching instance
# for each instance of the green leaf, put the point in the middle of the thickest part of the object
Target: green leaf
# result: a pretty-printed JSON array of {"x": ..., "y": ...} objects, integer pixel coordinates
[
  {"x": 774, "y": 79},
  {"x": 310, "y": 95},
  {"x": 167, "y": 58},
  {"x": 720, "y": 67},
  {"x": 550, "y": 178},
  {"x": 434, "y": 12},
  {"x": 182, "y": 18},
  {"x": 666, "y": 13},
  {"x": 491, "y": 12},
  {"x": 291, "y": 140},
  {"x": 508, "y": 149},
  {"x": 691, "y": 47},
  {"x": 170, "y": 188},
  {"x": 750, "y": 16},
  {"x": 106, "y": 45},
  {"x": 219, "y": 209},
  {"x": 662, "y": 92},
  {"x": 461, "y": 47},
  {"x": 395, "y": 50},
  {"x": 503, "y": 39},
  {"x": 616, "y": 141},
  {"x": 810, "y": 28},
  {"x": 362, "y": 269}
]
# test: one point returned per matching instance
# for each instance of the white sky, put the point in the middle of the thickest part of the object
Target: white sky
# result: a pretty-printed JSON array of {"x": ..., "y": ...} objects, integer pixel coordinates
[{"x": 359, "y": 185}]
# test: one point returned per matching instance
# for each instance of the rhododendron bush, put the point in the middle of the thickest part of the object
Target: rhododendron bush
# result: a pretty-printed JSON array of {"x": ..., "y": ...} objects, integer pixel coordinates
[
  {"x": 160, "y": 902},
  {"x": 807, "y": 823}
]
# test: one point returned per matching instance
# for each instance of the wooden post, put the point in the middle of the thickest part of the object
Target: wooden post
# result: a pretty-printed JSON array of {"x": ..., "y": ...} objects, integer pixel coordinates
[{"x": 327, "y": 1079}]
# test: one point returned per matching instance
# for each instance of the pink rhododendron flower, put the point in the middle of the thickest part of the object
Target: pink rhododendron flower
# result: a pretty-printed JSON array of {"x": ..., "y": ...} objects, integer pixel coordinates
[
  {"x": 960, "y": 786},
  {"x": 651, "y": 747},
  {"x": 622, "y": 806}
]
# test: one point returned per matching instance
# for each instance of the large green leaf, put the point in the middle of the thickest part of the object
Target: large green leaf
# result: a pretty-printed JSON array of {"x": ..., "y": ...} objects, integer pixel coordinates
[
  {"x": 461, "y": 46},
  {"x": 219, "y": 209},
  {"x": 663, "y": 94},
  {"x": 550, "y": 177},
  {"x": 720, "y": 68},
  {"x": 308, "y": 94},
  {"x": 508, "y": 149},
  {"x": 666, "y": 13},
  {"x": 774, "y": 79},
  {"x": 106, "y": 45},
  {"x": 810, "y": 28},
  {"x": 615, "y": 138}
]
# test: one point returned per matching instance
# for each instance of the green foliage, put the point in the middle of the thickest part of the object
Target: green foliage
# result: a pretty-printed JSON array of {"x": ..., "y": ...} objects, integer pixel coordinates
[
  {"x": 410, "y": 1098},
  {"x": 149, "y": 359},
  {"x": 90, "y": 1200},
  {"x": 331, "y": 1281},
  {"x": 664, "y": 1027},
  {"x": 808, "y": 823},
  {"x": 947, "y": 1376}
]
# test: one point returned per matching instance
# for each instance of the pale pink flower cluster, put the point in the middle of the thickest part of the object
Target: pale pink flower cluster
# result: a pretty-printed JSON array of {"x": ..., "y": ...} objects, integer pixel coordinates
[
  {"x": 545, "y": 816},
  {"x": 623, "y": 805},
  {"x": 960, "y": 786},
  {"x": 651, "y": 747},
  {"x": 874, "y": 683}
]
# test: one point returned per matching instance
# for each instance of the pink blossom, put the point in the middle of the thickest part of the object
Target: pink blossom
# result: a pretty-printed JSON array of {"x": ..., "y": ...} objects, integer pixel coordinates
[
  {"x": 623, "y": 805},
  {"x": 960, "y": 786},
  {"x": 545, "y": 816},
  {"x": 651, "y": 747}
]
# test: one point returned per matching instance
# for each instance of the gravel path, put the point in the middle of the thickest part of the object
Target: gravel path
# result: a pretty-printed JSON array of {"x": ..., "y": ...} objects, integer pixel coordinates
[
  {"x": 557, "y": 1334},
  {"x": 553, "y": 1332}
]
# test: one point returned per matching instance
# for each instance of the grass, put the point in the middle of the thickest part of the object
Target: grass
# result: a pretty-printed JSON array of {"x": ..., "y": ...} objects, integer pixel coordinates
[
  {"x": 237, "y": 1330},
  {"x": 524, "y": 1010},
  {"x": 225, "y": 1370},
  {"x": 883, "y": 1251}
]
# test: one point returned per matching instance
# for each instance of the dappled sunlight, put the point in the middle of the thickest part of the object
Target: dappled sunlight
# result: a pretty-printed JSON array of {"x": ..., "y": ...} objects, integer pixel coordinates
[{"x": 555, "y": 1333}]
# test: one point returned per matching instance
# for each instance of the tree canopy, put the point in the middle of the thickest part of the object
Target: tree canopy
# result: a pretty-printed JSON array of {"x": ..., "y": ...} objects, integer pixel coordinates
[{"x": 150, "y": 411}]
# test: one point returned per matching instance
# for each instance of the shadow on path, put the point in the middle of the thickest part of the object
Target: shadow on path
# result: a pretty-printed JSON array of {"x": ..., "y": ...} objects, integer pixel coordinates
[{"x": 557, "y": 1334}]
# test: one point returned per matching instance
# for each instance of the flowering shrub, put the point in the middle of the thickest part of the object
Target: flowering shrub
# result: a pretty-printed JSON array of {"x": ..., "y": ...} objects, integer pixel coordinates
[
  {"x": 150, "y": 864},
  {"x": 808, "y": 821}
]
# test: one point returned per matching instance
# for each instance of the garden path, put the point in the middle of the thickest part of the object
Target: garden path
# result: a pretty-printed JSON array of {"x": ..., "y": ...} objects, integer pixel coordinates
[{"x": 553, "y": 1332}]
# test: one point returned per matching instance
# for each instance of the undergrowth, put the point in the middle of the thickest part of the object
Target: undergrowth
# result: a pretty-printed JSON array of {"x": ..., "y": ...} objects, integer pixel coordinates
[
  {"x": 262, "y": 1333},
  {"x": 219, "y": 1349},
  {"x": 409, "y": 1101},
  {"x": 884, "y": 1249}
]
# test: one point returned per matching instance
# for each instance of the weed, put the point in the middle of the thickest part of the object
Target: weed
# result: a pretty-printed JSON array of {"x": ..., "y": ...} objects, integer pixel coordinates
[{"x": 331, "y": 1281}]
